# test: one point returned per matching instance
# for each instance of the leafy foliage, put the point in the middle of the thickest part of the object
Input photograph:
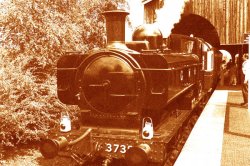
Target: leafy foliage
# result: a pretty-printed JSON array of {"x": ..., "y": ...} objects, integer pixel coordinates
[{"x": 33, "y": 35}]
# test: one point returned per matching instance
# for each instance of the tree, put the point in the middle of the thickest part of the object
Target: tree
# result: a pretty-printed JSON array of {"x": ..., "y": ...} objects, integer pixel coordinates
[{"x": 34, "y": 34}]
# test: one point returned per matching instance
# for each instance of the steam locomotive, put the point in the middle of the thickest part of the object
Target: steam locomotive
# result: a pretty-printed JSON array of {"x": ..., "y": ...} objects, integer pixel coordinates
[{"x": 133, "y": 96}]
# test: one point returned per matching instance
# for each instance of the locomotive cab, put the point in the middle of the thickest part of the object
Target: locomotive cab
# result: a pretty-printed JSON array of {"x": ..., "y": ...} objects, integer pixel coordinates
[{"x": 209, "y": 57}]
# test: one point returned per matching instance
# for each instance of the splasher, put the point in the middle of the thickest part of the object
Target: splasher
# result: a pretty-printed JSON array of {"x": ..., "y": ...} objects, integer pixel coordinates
[{"x": 169, "y": 14}]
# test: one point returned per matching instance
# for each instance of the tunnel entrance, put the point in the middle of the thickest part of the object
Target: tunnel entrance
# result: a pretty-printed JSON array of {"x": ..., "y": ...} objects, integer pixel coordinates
[{"x": 199, "y": 27}]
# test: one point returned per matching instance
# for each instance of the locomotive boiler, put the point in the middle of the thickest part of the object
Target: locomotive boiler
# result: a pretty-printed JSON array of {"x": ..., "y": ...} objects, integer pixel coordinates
[{"x": 133, "y": 95}]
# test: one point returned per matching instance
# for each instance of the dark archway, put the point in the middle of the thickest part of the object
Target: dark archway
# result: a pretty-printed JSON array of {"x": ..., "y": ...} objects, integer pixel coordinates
[{"x": 199, "y": 27}]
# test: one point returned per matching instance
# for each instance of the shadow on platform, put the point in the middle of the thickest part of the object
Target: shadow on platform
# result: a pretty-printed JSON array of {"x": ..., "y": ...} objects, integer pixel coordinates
[
  {"x": 237, "y": 120},
  {"x": 236, "y": 138}
]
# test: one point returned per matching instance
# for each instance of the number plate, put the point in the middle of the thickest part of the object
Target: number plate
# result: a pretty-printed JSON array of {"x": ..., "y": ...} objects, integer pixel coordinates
[{"x": 117, "y": 148}]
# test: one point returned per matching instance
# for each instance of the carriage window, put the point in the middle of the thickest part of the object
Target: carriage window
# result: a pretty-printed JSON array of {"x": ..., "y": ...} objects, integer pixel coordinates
[
  {"x": 181, "y": 75},
  {"x": 208, "y": 57},
  {"x": 210, "y": 60}
]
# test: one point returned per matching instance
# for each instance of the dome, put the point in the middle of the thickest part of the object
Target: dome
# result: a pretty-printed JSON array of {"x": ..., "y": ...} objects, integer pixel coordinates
[{"x": 150, "y": 33}]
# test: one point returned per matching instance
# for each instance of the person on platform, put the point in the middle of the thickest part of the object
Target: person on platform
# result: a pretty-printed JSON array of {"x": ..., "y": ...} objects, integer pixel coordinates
[
  {"x": 229, "y": 64},
  {"x": 246, "y": 72},
  {"x": 222, "y": 72},
  {"x": 232, "y": 71}
]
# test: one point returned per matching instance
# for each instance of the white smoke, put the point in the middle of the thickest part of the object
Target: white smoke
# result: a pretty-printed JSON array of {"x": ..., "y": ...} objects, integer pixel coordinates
[
  {"x": 136, "y": 14},
  {"x": 169, "y": 14}
]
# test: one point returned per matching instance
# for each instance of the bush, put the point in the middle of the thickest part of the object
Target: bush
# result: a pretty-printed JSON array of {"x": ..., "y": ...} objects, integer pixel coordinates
[
  {"x": 34, "y": 36},
  {"x": 28, "y": 98}
]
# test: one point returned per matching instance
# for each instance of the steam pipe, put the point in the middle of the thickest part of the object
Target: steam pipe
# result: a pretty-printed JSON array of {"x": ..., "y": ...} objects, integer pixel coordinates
[{"x": 81, "y": 137}]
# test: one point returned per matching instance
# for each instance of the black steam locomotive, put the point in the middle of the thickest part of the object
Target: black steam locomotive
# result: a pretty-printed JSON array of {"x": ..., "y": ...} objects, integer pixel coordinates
[{"x": 133, "y": 96}]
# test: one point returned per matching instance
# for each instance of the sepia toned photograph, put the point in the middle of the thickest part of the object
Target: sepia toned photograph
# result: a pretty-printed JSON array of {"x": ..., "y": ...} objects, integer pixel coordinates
[{"x": 124, "y": 82}]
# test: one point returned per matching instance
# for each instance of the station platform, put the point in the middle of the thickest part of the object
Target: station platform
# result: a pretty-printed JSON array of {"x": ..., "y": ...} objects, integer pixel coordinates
[{"x": 221, "y": 135}]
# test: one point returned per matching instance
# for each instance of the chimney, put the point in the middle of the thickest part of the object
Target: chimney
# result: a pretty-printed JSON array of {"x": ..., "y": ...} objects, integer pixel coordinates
[{"x": 115, "y": 25}]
